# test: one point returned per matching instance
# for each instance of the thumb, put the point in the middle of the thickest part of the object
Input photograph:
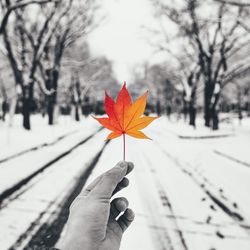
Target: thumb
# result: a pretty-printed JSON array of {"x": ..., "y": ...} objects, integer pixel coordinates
[{"x": 111, "y": 179}]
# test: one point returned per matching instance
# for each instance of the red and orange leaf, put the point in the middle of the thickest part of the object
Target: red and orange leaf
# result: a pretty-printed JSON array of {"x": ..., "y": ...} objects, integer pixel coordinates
[
  {"x": 109, "y": 107},
  {"x": 140, "y": 123},
  {"x": 138, "y": 134},
  {"x": 136, "y": 110},
  {"x": 107, "y": 123},
  {"x": 125, "y": 117},
  {"x": 113, "y": 135},
  {"x": 122, "y": 105},
  {"x": 123, "y": 97}
]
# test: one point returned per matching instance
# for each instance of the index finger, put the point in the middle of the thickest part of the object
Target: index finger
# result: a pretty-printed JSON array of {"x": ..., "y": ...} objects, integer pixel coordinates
[
  {"x": 105, "y": 187},
  {"x": 86, "y": 190}
]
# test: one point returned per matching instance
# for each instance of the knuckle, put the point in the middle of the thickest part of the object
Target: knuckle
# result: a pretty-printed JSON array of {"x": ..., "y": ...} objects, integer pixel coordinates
[
  {"x": 112, "y": 175},
  {"x": 108, "y": 174}
]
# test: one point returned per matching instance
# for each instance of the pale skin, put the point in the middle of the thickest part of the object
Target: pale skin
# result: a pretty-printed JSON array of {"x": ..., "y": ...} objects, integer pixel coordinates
[{"x": 96, "y": 222}]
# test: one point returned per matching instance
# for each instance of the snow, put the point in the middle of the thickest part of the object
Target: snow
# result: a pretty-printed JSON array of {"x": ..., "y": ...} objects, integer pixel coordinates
[
  {"x": 184, "y": 131},
  {"x": 16, "y": 139},
  {"x": 186, "y": 193},
  {"x": 48, "y": 188},
  {"x": 34, "y": 160}
]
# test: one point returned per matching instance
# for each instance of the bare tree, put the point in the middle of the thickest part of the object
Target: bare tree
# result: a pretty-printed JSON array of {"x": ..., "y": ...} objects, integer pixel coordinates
[
  {"x": 7, "y": 8},
  {"x": 76, "y": 25},
  {"x": 25, "y": 60},
  {"x": 185, "y": 69},
  {"x": 35, "y": 47},
  {"x": 216, "y": 41}
]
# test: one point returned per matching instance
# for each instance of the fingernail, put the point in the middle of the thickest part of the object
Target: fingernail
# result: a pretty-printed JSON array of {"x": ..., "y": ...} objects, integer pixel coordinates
[
  {"x": 125, "y": 182},
  {"x": 123, "y": 164},
  {"x": 130, "y": 214},
  {"x": 131, "y": 164}
]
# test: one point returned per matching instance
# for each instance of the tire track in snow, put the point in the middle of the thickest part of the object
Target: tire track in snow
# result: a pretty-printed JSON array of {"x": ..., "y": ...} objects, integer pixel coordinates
[
  {"x": 162, "y": 240},
  {"x": 243, "y": 163},
  {"x": 231, "y": 212},
  {"x": 193, "y": 221},
  {"x": 167, "y": 204},
  {"x": 217, "y": 152},
  {"x": 232, "y": 204},
  {"x": 198, "y": 222},
  {"x": 192, "y": 232},
  {"x": 46, "y": 232},
  {"x": 43, "y": 145},
  {"x": 7, "y": 196},
  {"x": 209, "y": 183}
]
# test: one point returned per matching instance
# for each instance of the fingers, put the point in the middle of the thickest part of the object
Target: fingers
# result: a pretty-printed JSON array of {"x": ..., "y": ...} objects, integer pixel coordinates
[
  {"x": 121, "y": 185},
  {"x": 86, "y": 190},
  {"x": 120, "y": 217},
  {"x": 109, "y": 180},
  {"x": 92, "y": 185},
  {"x": 126, "y": 219},
  {"x": 118, "y": 206}
]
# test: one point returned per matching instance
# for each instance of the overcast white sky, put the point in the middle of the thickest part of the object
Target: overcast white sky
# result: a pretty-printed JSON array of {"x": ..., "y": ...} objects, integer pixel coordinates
[{"x": 121, "y": 38}]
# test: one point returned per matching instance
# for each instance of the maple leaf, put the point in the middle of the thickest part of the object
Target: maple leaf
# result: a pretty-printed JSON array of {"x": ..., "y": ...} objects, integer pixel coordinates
[{"x": 125, "y": 117}]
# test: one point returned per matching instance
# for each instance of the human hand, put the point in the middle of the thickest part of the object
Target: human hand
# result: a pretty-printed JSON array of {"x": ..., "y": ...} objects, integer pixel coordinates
[{"x": 93, "y": 222}]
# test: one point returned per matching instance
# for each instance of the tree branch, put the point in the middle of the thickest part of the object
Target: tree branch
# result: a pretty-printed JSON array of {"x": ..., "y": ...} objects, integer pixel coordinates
[
  {"x": 234, "y": 3},
  {"x": 17, "y": 6}
]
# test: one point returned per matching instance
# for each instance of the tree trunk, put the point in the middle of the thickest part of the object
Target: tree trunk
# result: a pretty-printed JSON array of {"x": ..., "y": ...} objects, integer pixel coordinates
[
  {"x": 169, "y": 111},
  {"x": 26, "y": 113},
  {"x": 77, "y": 117},
  {"x": 207, "y": 117},
  {"x": 248, "y": 109},
  {"x": 215, "y": 120},
  {"x": 158, "y": 108},
  {"x": 240, "y": 116},
  {"x": 1, "y": 110},
  {"x": 207, "y": 113},
  {"x": 51, "y": 83},
  {"x": 185, "y": 110},
  {"x": 192, "y": 115},
  {"x": 51, "y": 112},
  {"x": 215, "y": 111},
  {"x": 27, "y": 99}
]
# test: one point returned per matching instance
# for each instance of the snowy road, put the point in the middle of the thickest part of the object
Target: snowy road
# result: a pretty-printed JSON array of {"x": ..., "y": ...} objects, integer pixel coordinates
[
  {"x": 184, "y": 194},
  {"x": 22, "y": 213}
]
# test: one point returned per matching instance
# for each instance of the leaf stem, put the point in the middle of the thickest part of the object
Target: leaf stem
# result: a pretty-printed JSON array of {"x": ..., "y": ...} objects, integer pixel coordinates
[{"x": 124, "y": 147}]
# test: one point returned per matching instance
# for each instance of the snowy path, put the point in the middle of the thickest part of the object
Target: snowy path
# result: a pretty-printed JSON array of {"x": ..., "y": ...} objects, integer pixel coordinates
[
  {"x": 36, "y": 147},
  {"x": 16, "y": 140},
  {"x": 33, "y": 163},
  {"x": 43, "y": 196},
  {"x": 226, "y": 179},
  {"x": 185, "y": 195}
]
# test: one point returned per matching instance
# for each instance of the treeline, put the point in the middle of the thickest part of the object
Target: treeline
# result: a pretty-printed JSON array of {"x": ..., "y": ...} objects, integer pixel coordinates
[
  {"x": 46, "y": 65},
  {"x": 207, "y": 66}
]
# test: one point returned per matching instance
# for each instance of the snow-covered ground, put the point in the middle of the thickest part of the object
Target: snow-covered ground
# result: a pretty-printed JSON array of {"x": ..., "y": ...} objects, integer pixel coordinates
[
  {"x": 187, "y": 193},
  {"x": 15, "y": 140}
]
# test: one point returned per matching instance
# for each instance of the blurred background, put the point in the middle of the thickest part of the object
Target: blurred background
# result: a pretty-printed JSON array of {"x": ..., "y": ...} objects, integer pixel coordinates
[{"x": 190, "y": 187}]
